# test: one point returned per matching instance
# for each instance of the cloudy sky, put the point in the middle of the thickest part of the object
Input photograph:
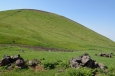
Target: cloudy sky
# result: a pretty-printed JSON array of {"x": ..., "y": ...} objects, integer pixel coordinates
[{"x": 98, "y": 15}]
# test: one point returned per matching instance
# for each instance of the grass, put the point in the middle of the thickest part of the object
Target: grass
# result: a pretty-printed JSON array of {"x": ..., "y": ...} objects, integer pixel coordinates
[
  {"x": 52, "y": 56},
  {"x": 39, "y": 28},
  {"x": 61, "y": 58}
]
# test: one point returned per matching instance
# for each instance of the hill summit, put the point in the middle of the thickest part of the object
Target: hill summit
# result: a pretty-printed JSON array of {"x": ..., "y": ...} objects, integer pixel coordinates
[{"x": 39, "y": 28}]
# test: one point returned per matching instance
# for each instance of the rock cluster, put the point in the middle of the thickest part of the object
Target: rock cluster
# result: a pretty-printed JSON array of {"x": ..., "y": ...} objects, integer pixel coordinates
[
  {"x": 17, "y": 61},
  {"x": 8, "y": 60},
  {"x": 85, "y": 61},
  {"x": 105, "y": 55}
]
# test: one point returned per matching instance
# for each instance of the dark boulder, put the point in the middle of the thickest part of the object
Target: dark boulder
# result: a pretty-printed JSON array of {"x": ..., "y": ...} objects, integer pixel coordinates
[
  {"x": 4, "y": 62},
  {"x": 91, "y": 64}
]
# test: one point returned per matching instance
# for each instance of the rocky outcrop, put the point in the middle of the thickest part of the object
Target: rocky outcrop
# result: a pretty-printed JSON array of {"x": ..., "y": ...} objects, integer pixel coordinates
[
  {"x": 17, "y": 61},
  {"x": 85, "y": 61}
]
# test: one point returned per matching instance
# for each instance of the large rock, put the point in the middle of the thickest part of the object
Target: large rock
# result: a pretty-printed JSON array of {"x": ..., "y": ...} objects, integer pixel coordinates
[
  {"x": 85, "y": 59},
  {"x": 4, "y": 62},
  {"x": 15, "y": 57},
  {"x": 20, "y": 62},
  {"x": 92, "y": 64}
]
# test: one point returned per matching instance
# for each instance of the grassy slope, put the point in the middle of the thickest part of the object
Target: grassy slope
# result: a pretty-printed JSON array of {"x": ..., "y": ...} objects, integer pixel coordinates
[{"x": 38, "y": 28}]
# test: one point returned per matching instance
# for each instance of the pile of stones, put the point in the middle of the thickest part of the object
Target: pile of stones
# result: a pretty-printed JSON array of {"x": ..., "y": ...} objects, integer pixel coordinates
[
  {"x": 17, "y": 61},
  {"x": 85, "y": 61},
  {"x": 105, "y": 55}
]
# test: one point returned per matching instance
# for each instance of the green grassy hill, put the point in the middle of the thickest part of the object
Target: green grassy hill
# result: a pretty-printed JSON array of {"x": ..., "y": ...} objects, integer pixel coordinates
[{"x": 40, "y": 28}]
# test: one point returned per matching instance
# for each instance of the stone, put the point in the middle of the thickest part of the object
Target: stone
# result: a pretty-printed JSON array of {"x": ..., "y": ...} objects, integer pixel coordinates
[
  {"x": 85, "y": 59},
  {"x": 20, "y": 62},
  {"x": 102, "y": 66},
  {"x": 5, "y": 62}
]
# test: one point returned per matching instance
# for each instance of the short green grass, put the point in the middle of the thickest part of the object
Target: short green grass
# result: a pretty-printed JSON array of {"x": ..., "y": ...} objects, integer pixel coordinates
[
  {"x": 49, "y": 57},
  {"x": 39, "y": 28}
]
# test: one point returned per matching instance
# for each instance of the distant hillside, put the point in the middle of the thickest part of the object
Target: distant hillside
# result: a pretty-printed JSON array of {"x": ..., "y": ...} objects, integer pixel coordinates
[{"x": 40, "y": 28}]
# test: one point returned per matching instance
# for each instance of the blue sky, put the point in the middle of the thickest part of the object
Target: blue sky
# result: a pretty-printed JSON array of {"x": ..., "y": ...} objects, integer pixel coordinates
[{"x": 98, "y": 15}]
